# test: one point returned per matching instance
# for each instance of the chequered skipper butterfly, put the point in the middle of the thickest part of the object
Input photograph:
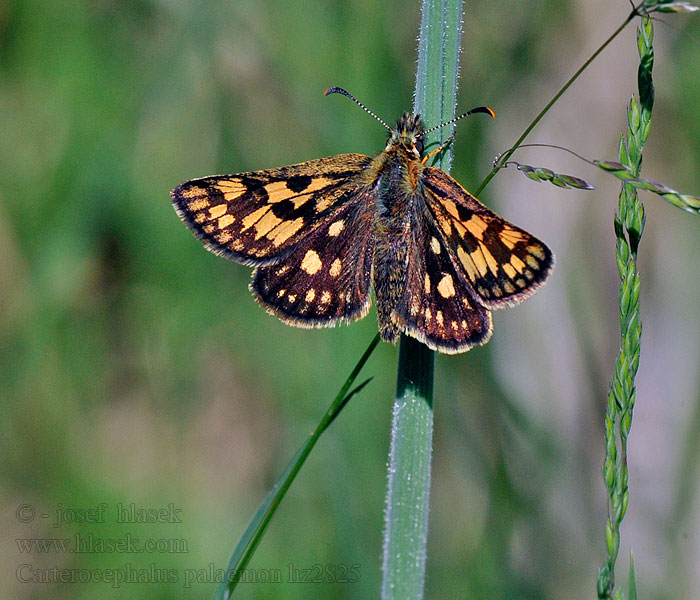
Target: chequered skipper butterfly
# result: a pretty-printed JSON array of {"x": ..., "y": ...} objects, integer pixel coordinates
[{"x": 322, "y": 232}]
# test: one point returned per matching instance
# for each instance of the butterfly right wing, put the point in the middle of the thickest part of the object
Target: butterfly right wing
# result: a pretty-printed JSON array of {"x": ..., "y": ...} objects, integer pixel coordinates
[{"x": 256, "y": 218}]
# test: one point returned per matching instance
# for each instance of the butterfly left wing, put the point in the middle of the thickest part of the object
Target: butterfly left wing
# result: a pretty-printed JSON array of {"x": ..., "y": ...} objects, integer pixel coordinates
[
  {"x": 256, "y": 218},
  {"x": 502, "y": 263}
]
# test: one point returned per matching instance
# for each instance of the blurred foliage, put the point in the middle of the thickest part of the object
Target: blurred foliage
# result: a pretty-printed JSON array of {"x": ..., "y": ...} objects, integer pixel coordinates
[{"x": 136, "y": 368}]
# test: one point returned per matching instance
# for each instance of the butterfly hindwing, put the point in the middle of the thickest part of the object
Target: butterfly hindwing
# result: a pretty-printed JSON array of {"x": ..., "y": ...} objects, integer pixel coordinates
[
  {"x": 326, "y": 277},
  {"x": 503, "y": 263},
  {"x": 256, "y": 217},
  {"x": 438, "y": 306}
]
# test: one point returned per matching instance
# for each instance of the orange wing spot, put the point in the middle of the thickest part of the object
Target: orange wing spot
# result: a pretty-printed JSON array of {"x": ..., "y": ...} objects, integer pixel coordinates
[
  {"x": 194, "y": 192},
  {"x": 440, "y": 319},
  {"x": 509, "y": 270},
  {"x": 336, "y": 266},
  {"x": 282, "y": 270},
  {"x": 286, "y": 230},
  {"x": 292, "y": 298},
  {"x": 476, "y": 226},
  {"x": 217, "y": 211},
  {"x": 455, "y": 325},
  {"x": 479, "y": 262},
  {"x": 311, "y": 262},
  {"x": 325, "y": 297},
  {"x": 490, "y": 260},
  {"x": 208, "y": 228},
  {"x": 265, "y": 225},
  {"x": 224, "y": 237},
  {"x": 335, "y": 229},
  {"x": 428, "y": 314},
  {"x": 281, "y": 293},
  {"x": 446, "y": 286},
  {"x": 231, "y": 188},
  {"x": 225, "y": 221},
  {"x": 198, "y": 204},
  {"x": 536, "y": 250},
  {"x": 253, "y": 217},
  {"x": 468, "y": 264},
  {"x": 310, "y": 295},
  {"x": 434, "y": 245},
  {"x": 426, "y": 283},
  {"x": 200, "y": 217},
  {"x": 517, "y": 263}
]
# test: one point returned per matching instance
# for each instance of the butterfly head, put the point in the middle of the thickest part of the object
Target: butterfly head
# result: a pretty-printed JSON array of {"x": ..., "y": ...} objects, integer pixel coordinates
[{"x": 408, "y": 135}]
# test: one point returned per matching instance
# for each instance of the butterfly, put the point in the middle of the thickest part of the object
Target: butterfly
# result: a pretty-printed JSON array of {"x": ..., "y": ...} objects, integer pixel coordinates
[{"x": 321, "y": 234}]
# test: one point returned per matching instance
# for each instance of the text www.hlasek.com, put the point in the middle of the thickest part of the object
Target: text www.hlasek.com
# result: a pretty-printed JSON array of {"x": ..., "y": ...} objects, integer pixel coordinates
[{"x": 90, "y": 544}]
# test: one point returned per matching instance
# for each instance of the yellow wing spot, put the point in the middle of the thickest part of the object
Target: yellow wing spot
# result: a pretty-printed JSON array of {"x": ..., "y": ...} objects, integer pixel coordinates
[
  {"x": 254, "y": 217},
  {"x": 476, "y": 226},
  {"x": 292, "y": 298},
  {"x": 311, "y": 262},
  {"x": 483, "y": 291},
  {"x": 426, "y": 283},
  {"x": 277, "y": 191},
  {"x": 479, "y": 262},
  {"x": 451, "y": 208},
  {"x": 231, "y": 188},
  {"x": 326, "y": 297},
  {"x": 497, "y": 292},
  {"x": 237, "y": 245},
  {"x": 446, "y": 286},
  {"x": 440, "y": 319},
  {"x": 265, "y": 225},
  {"x": 194, "y": 192},
  {"x": 532, "y": 261},
  {"x": 464, "y": 324},
  {"x": 335, "y": 229},
  {"x": 517, "y": 263},
  {"x": 520, "y": 282},
  {"x": 286, "y": 230},
  {"x": 536, "y": 251},
  {"x": 509, "y": 270},
  {"x": 224, "y": 237},
  {"x": 435, "y": 245},
  {"x": 529, "y": 274},
  {"x": 208, "y": 228},
  {"x": 217, "y": 211},
  {"x": 445, "y": 225},
  {"x": 455, "y": 325},
  {"x": 310, "y": 295},
  {"x": 281, "y": 293},
  {"x": 282, "y": 270},
  {"x": 336, "y": 266},
  {"x": 467, "y": 263},
  {"x": 508, "y": 287},
  {"x": 428, "y": 314},
  {"x": 510, "y": 237},
  {"x": 490, "y": 260},
  {"x": 225, "y": 221},
  {"x": 200, "y": 217},
  {"x": 415, "y": 307},
  {"x": 195, "y": 205}
]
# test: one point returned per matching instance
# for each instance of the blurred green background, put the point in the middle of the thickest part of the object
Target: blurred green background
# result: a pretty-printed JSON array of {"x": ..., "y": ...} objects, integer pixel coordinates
[{"x": 136, "y": 368}]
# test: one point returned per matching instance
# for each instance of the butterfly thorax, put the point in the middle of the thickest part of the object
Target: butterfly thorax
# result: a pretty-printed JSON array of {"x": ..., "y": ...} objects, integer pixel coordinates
[{"x": 395, "y": 174}]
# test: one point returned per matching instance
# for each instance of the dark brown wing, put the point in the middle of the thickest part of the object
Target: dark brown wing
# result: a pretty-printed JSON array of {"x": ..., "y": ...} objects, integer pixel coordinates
[
  {"x": 439, "y": 307},
  {"x": 502, "y": 263},
  {"x": 326, "y": 277},
  {"x": 255, "y": 218}
]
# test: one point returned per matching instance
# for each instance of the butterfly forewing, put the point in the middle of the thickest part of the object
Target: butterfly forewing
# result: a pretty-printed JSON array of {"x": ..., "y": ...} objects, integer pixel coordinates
[
  {"x": 503, "y": 263},
  {"x": 326, "y": 277},
  {"x": 256, "y": 217},
  {"x": 438, "y": 307}
]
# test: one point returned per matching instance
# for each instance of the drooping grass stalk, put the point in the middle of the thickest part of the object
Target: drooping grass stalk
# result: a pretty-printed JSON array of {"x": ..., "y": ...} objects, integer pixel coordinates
[
  {"x": 503, "y": 158},
  {"x": 629, "y": 226},
  {"x": 408, "y": 488}
]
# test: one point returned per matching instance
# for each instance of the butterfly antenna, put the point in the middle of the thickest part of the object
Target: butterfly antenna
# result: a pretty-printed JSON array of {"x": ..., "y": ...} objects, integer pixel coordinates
[
  {"x": 478, "y": 109},
  {"x": 339, "y": 90}
]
